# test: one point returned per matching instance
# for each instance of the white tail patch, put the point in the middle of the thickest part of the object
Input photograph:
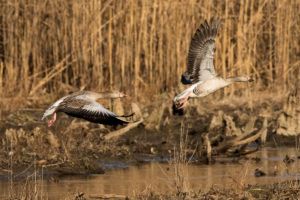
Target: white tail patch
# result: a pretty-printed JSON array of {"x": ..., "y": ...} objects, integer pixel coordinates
[
  {"x": 48, "y": 112},
  {"x": 52, "y": 108},
  {"x": 185, "y": 92}
]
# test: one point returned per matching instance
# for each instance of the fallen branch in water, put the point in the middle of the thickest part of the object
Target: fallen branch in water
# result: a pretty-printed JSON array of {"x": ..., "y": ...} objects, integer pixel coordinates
[
  {"x": 240, "y": 140},
  {"x": 244, "y": 152},
  {"x": 122, "y": 131}
]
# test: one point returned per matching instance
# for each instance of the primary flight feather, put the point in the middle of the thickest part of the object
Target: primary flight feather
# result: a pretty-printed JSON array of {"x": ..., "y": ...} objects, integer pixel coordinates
[
  {"x": 83, "y": 105},
  {"x": 200, "y": 65}
]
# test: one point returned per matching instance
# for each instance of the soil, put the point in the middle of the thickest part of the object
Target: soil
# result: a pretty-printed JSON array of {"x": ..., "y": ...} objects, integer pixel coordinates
[
  {"x": 283, "y": 190},
  {"x": 75, "y": 146}
]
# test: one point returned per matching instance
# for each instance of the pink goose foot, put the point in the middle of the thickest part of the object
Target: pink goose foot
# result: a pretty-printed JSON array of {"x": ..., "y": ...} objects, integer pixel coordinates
[
  {"x": 182, "y": 102},
  {"x": 51, "y": 122}
]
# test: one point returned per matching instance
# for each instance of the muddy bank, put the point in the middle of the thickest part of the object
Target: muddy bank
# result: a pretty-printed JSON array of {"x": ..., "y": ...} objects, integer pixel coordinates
[
  {"x": 174, "y": 179},
  {"x": 283, "y": 190},
  {"x": 75, "y": 146}
]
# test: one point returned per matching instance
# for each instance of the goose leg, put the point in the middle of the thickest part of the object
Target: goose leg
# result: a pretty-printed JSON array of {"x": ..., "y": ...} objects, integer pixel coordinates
[
  {"x": 182, "y": 105},
  {"x": 51, "y": 122},
  {"x": 183, "y": 102}
]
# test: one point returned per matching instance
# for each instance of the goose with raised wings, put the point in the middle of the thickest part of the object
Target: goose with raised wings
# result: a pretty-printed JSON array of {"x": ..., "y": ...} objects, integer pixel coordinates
[
  {"x": 200, "y": 66},
  {"x": 83, "y": 104}
]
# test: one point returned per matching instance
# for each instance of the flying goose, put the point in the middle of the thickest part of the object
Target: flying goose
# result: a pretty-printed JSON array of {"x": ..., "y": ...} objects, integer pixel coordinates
[
  {"x": 200, "y": 66},
  {"x": 83, "y": 105}
]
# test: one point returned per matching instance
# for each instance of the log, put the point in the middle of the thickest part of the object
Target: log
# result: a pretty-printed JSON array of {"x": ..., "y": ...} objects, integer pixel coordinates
[
  {"x": 224, "y": 146},
  {"x": 252, "y": 138},
  {"x": 239, "y": 140},
  {"x": 245, "y": 152}
]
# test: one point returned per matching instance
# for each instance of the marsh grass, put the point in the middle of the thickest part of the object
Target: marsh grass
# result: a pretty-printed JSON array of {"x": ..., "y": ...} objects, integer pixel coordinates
[
  {"x": 29, "y": 188},
  {"x": 53, "y": 47},
  {"x": 179, "y": 162}
]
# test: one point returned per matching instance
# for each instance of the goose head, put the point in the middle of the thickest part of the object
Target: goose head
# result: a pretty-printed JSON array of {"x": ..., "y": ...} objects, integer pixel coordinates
[
  {"x": 121, "y": 94},
  {"x": 106, "y": 95},
  {"x": 117, "y": 94},
  {"x": 243, "y": 78}
]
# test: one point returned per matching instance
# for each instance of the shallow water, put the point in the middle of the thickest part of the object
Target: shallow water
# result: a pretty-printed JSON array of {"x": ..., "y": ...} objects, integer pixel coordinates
[{"x": 128, "y": 180}]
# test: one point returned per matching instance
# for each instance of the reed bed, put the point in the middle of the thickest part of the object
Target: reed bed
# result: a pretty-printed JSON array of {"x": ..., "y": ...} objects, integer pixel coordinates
[{"x": 140, "y": 46}]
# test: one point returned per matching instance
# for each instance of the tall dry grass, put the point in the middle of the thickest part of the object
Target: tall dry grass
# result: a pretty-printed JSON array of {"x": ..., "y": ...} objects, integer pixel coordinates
[{"x": 140, "y": 46}]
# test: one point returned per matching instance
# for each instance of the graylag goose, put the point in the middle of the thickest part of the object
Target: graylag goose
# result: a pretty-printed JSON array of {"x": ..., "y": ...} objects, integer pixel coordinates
[
  {"x": 83, "y": 104},
  {"x": 200, "y": 66}
]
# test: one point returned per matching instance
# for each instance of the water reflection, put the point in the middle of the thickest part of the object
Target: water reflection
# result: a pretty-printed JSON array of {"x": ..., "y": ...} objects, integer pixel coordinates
[{"x": 160, "y": 176}]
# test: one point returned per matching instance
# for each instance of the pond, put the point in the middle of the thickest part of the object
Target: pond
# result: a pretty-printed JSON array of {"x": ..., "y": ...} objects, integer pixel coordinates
[{"x": 160, "y": 177}]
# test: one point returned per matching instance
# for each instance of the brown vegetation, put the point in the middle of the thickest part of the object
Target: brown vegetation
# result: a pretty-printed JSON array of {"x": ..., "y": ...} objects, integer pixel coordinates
[
  {"x": 52, "y": 47},
  {"x": 284, "y": 190}
]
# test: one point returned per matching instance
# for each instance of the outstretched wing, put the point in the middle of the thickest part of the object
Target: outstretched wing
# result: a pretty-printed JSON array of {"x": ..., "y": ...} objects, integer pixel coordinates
[
  {"x": 85, "y": 108},
  {"x": 201, "y": 53}
]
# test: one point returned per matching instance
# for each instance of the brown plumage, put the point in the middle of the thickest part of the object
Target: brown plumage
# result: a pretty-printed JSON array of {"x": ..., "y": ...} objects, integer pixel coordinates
[
  {"x": 83, "y": 105},
  {"x": 200, "y": 66}
]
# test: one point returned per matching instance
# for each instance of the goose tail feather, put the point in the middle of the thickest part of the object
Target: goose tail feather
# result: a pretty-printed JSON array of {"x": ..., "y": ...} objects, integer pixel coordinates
[
  {"x": 48, "y": 112},
  {"x": 130, "y": 115},
  {"x": 125, "y": 121}
]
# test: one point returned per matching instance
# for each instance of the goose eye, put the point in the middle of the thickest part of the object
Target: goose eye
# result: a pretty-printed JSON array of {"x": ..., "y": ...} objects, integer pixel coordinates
[{"x": 214, "y": 49}]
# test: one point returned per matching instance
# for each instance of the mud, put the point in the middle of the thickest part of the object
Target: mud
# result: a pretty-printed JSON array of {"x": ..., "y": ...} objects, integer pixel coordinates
[
  {"x": 75, "y": 146},
  {"x": 171, "y": 179},
  {"x": 284, "y": 190}
]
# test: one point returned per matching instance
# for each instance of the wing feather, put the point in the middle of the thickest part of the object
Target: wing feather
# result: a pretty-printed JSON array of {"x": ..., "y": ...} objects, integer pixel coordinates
[
  {"x": 200, "y": 66},
  {"x": 83, "y": 107}
]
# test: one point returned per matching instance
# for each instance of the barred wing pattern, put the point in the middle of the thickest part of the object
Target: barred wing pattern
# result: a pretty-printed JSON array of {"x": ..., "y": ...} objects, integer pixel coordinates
[
  {"x": 82, "y": 107},
  {"x": 201, "y": 53}
]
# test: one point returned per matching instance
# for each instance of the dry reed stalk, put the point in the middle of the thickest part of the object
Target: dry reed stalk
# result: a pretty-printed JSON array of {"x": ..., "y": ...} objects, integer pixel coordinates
[
  {"x": 1, "y": 78},
  {"x": 143, "y": 44}
]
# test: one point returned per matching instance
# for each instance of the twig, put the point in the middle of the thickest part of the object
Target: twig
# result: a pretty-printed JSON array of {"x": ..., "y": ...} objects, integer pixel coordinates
[
  {"x": 238, "y": 140},
  {"x": 252, "y": 138}
]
